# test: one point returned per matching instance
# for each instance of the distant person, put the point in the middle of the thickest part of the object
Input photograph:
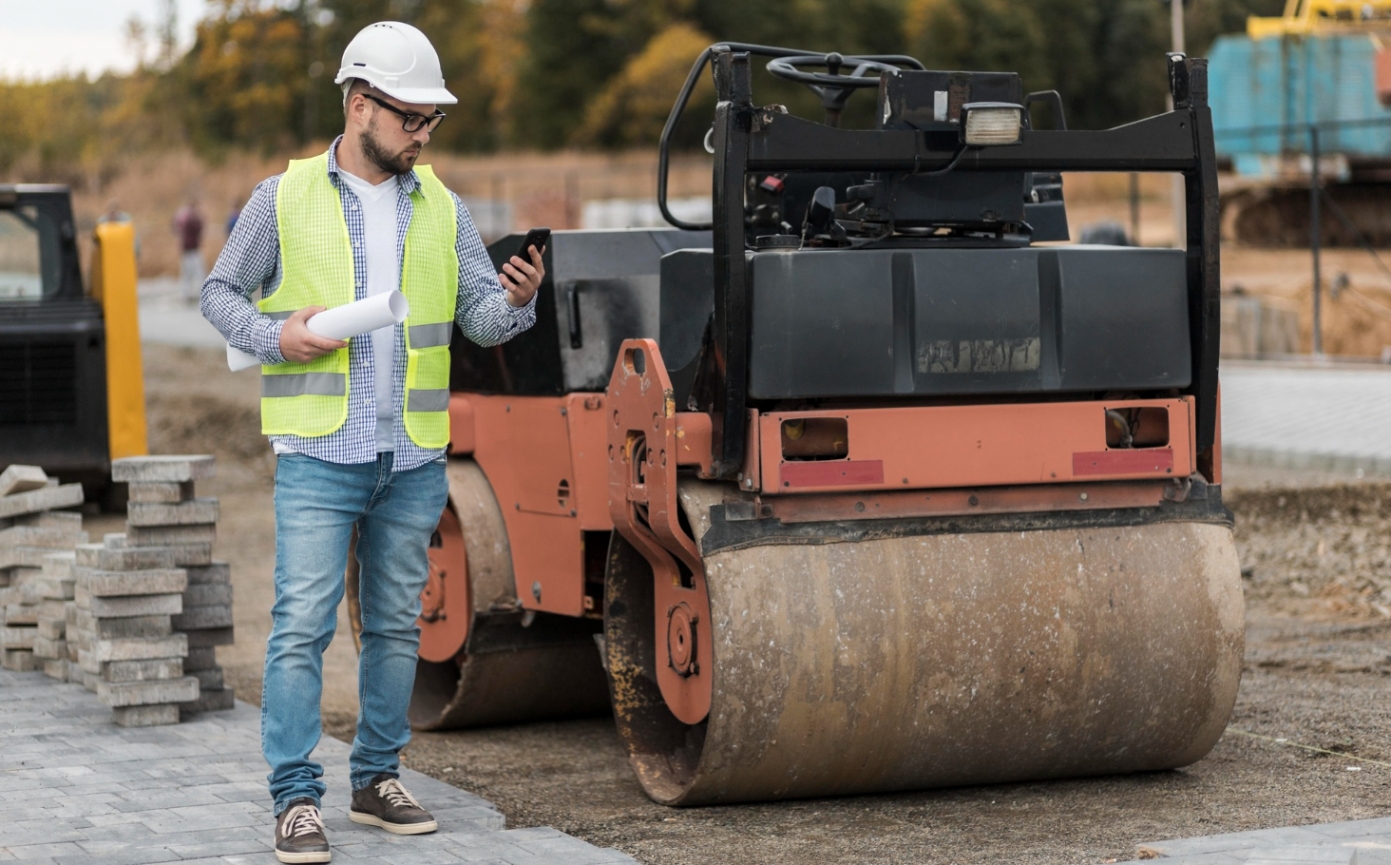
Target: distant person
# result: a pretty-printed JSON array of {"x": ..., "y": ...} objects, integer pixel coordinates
[
  {"x": 358, "y": 441},
  {"x": 188, "y": 225},
  {"x": 114, "y": 213},
  {"x": 233, "y": 215}
]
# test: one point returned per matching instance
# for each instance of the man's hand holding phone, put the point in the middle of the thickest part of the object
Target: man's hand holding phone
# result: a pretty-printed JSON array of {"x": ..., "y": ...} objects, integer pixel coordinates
[{"x": 521, "y": 278}]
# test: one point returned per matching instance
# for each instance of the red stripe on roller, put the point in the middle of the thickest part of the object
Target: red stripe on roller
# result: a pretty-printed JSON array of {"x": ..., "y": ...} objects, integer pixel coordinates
[
  {"x": 832, "y": 473},
  {"x": 1123, "y": 462}
]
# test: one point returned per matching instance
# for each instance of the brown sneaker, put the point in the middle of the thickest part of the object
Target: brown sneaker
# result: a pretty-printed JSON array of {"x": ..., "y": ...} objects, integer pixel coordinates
[
  {"x": 385, "y": 803},
  {"x": 299, "y": 834}
]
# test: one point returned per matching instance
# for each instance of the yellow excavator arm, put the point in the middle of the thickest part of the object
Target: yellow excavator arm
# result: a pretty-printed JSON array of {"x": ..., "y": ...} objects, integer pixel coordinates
[{"x": 113, "y": 285}]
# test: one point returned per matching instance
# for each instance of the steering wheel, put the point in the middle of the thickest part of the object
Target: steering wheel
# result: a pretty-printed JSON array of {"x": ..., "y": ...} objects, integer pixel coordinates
[{"x": 833, "y": 87}]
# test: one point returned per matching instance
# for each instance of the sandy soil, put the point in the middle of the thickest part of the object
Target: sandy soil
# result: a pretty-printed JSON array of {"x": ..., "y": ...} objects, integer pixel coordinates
[{"x": 1315, "y": 550}]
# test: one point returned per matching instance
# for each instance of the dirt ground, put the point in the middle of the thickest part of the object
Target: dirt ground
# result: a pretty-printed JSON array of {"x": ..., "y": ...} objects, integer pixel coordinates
[{"x": 1316, "y": 557}]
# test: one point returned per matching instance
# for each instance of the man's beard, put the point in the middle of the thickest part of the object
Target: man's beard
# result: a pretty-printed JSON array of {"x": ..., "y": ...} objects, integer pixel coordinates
[{"x": 399, "y": 163}]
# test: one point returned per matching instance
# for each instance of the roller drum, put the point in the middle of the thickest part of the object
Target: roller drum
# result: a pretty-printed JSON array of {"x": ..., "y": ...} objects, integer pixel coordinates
[
  {"x": 940, "y": 660},
  {"x": 535, "y": 678}
]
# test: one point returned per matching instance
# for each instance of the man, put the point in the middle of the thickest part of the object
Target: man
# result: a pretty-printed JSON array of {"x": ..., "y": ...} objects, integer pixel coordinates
[
  {"x": 360, "y": 426},
  {"x": 188, "y": 225}
]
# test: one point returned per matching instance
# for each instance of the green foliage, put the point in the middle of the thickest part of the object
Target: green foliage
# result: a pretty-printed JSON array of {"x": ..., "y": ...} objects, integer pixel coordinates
[{"x": 590, "y": 73}]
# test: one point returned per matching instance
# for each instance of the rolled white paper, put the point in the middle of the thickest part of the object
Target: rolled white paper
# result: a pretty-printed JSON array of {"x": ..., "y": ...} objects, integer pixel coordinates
[{"x": 342, "y": 322}]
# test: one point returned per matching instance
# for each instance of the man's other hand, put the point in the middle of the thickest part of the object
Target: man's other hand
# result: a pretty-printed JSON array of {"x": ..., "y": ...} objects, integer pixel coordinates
[
  {"x": 522, "y": 279},
  {"x": 299, "y": 344}
]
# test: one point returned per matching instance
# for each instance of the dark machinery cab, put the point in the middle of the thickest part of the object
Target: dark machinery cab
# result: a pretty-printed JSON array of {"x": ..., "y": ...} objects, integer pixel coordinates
[{"x": 53, "y": 409}]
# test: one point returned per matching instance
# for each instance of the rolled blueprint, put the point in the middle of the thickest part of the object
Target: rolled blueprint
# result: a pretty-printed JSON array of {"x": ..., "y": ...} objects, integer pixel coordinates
[{"x": 342, "y": 322}]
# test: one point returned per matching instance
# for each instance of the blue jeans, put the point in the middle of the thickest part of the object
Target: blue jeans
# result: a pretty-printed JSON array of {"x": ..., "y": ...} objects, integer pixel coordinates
[{"x": 317, "y": 503}]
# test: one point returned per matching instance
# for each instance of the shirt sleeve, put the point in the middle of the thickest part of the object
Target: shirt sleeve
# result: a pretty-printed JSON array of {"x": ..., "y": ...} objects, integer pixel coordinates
[
  {"x": 482, "y": 311},
  {"x": 249, "y": 259}
]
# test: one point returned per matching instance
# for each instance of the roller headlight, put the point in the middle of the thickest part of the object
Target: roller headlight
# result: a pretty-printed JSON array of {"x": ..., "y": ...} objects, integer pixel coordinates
[{"x": 984, "y": 124}]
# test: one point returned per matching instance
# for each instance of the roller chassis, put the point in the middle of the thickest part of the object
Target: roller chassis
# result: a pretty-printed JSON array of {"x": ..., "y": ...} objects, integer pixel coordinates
[{"x": 613, "y": 506}]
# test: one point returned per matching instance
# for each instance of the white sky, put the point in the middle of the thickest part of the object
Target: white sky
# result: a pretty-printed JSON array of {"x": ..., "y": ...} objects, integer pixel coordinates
[{"x": 45, "y": 38}]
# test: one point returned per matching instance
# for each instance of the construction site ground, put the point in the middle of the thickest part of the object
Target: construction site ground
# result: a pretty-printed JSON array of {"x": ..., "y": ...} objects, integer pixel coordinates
[{"x": 1316, "y": 555}]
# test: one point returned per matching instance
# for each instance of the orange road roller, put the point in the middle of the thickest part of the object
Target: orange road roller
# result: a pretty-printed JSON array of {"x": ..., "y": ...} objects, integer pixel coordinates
[{"x": 870, "y": 483}]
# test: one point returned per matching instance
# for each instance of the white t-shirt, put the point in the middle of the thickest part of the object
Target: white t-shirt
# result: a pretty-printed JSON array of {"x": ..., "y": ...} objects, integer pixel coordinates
[{"x": 383, "y": 275}]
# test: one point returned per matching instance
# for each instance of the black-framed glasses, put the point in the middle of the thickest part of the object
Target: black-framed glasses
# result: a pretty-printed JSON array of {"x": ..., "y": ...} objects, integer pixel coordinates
[{"x": 411, "y": 122}]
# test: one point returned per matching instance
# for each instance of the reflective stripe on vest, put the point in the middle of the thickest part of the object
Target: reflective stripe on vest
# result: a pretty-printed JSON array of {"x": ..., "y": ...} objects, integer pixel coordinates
[
  {"x": 430, "y": 335},
  {"x": 311, "y": 399},
  {"x": 298, "y": 384}
]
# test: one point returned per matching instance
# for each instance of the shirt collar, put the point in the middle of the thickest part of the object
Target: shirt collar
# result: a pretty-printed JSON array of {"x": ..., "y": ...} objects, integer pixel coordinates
[{"x": 408, "y": 183}]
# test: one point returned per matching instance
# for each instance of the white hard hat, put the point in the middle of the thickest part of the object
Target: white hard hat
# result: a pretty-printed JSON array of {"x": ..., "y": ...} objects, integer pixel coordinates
[{"x": 398, "y": 60}]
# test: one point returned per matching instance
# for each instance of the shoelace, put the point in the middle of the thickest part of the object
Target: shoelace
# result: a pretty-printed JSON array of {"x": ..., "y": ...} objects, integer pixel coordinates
[
  {"x": 303, "y": 820},
  {"x": 395, "y": 795}
]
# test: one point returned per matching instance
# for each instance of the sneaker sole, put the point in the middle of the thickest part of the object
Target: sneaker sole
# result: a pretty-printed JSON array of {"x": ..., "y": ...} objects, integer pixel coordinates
[
  {"x": 299, "y": 858},
  {"x": 393, "y": 828}
]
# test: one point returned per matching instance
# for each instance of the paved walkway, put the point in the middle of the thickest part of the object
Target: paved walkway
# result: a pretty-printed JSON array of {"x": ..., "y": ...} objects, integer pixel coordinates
[
  {"x": 1357, "y": 842},
  {"x": 1326, "y": 418},
  {"x": 75, "y": 789}
]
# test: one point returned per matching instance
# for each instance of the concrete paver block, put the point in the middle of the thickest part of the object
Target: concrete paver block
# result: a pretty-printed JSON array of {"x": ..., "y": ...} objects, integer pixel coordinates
[
  {"x": 216, "y": 573},
  {"x": 192, "y": 554},
  {"x": 45, "y": 499},
  {"x": 52, "y": 629},
  {"x": 202, "y": 658},
  {"x": 140, "y": 671},
  {"x": 213, "y": 700},
  {"x": 128, "y": 626},
  {"x": 163, "y": 469},
  {"x": 208, "y": 680},
  {"x": 23, "y": 556},
  {"x": 164, "y": 536},
  {"x": 54, "y": 538},
  {"x": 149, "y": 692},
  {"x": 49, "y": 650},
  {"x": 146, "y": 716},
  {"x": 160, "y": 492},
  {"x": 207, "y": 595},
  {"x": 18, "y": 637},
  {"x": 50, "y": 520},
  {"x": 200, "y": 511},
  {"x": 56, "y": 668},
  {"x": 140, "y": 649},
  {"x": 22, "y": 479},
  {"x": 56, "y": 588},
  {"x": 17, "y": 660},
  {"x": 210, "y": 637},
  {"x": 107, "y": 558},
  {"x": 135, "y": 605},
  {"x": 203, "y": 618},
  {"x": 113, "y": 584},
  {"x": 21, "y": 614}
]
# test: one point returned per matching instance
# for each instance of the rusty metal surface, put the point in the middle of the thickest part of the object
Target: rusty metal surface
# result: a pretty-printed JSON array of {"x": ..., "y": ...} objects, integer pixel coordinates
[
  {"x": 445, "y": 608},
  {"x": 530, "y": 683},
  {"x": 918, "y": 662},
  {"x": 973, "y": 445},
  {"x": 645, "y": 445}
]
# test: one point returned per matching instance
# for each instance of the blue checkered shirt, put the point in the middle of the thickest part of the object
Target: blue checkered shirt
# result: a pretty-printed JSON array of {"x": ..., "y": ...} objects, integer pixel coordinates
[{"x": 251, "y": 260}]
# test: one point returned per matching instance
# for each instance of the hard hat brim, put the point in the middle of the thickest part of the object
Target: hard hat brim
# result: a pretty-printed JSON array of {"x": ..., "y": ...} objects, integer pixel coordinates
[{"x": 420, "y": 95}]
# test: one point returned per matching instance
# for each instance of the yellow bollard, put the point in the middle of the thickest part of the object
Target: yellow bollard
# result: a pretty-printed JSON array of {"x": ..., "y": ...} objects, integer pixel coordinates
[{"x": 113, "y": 284}]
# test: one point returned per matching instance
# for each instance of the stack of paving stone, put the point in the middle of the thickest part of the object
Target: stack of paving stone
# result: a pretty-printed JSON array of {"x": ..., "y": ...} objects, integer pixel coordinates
[
  {"x": 57, "y": 587},
  {"x": 32, "y": 528},
  {"x": 125, "y": 598},
  {"x": 164, "y": 513}
]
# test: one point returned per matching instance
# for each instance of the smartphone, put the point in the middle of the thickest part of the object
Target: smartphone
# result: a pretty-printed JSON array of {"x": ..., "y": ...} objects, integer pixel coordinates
[{"x": 537, "y": 237}]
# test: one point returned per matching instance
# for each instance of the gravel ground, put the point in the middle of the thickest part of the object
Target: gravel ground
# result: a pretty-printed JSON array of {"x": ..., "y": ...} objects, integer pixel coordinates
[{"x": 1316, "y": 555}]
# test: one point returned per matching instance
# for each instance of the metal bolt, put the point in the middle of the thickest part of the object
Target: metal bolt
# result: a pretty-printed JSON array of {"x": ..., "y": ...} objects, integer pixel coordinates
[
  {"x": 536, "y": 591},
  {"x": 562, "y": 412},
  {"x": 1083, "y": 497}
]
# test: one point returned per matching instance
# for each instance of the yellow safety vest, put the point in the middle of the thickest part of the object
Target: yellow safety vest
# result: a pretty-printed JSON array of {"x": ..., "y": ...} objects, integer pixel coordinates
[{"x": 316, "y": 256}]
